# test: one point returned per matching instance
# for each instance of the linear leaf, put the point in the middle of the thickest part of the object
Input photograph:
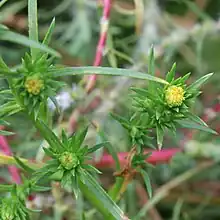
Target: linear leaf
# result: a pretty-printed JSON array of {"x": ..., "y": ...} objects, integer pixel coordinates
[
  {"x": 23, "y": 165},
  {"x": 160, "y": 135},
  {"x": 49, "y": 135},
  {"x": 33, "y": 24},
  {"x": 151, "y": 65},
  {"x": 23, "y": 40},
  {"x": 6, "y": 133},
  {"x": 170, "y": 75},
  {"x": 49, "y": 33},
  {"x": 198, "y": 83},
  {"x": 100, "y": 194},
  {"x": 97, "y": 146},
  {"x": 190, "y": 124},
  {"x": 196, "y": 119},
  {"x": 5, "y": 188},
  {"x": 147, "y": 182},
  {"x": 90, "y": 70},
  {"x": 110, "y": 148}
]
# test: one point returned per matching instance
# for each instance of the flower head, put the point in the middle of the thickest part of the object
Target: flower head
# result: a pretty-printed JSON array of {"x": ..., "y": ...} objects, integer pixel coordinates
[
  {"x": 174, "y": 96},
  {"x": 34, "y": 85},
  {"x": 69, "y": 160}
]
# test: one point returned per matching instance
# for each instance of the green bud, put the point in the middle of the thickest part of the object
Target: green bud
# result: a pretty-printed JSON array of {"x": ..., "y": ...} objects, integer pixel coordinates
[{"x": 69, "y": 160}]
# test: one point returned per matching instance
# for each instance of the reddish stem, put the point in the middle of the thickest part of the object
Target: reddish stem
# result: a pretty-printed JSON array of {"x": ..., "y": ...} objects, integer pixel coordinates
[
  {"x": 12, "y": 169},
  {"x": 162, "y": 156},
  {"x": 101, "y": 43}
]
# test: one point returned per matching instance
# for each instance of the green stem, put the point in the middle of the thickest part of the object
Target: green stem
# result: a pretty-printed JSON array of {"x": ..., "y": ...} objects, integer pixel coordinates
[
  {"x": 93, "y": 200},
  {"x": 115, "y": 190},
  {"x": 33, "y": 25}
]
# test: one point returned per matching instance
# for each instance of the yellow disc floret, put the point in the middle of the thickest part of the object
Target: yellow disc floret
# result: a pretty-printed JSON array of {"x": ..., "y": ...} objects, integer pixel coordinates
[
  {"x": 34, "y": 85},
  {"x": 174, "y": 96}
]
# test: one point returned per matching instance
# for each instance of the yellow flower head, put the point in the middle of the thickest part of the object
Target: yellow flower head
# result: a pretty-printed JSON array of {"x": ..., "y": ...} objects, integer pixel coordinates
[
  {"x": 174, "y": 96},
  {"x": 34, "y": 85}
]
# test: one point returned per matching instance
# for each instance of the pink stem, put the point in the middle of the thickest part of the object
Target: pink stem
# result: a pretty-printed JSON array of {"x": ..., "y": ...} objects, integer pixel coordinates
[
  {"x": 101, "y": 43},
  {"x": 12, "y": 169},
  {"x": 162, "y": 156}
]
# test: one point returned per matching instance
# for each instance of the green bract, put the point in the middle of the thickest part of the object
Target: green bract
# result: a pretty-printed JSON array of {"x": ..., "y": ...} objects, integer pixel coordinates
[
  {"x": 13, "y": 209},
  {"x": 69, "y": 159}
]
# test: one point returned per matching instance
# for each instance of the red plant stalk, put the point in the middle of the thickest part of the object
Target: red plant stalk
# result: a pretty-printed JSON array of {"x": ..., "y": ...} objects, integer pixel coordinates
[
  {"x": 104, "y": 23},
  {"x": 7, "y": 151},
  {"x": 157, "y": 157}
]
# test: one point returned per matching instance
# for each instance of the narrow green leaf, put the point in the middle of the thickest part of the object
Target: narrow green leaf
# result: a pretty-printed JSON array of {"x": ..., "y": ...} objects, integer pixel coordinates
[
  {"x": 49, "y": 33},
  {"x": 140, "y": 91},
  {"x": 147, "y": 182},
  {"x": 64, "y": 138},
  {"x": 121, "y": 120},
  {"x": 91, "y": 168},
  {"x": 90, "y": 70},
  {"x": 160, "y": 135},
  {"x": 110, "y": 148},
  {"x": 198, "y": 83},
  {"x": 49, "y": 153},
  {"x": 185, "y": 123},
  {"x": 23, "y": 165},
  {"x": 49, "y": 135},
  {"x": 53, "y": 99},
  {"x": 9, "y": 108},
  {"x": 151, "y": 67},
  {"x": 195, "y": 118},
  {"x": 6, "y": 92},
  {"x": 3, "y": 2},
  {"x": 3, "y": 122},
  {"x": 197, "y": 10},
  {"x": 79, "y": 138},
  {"x": 96, "y": 147},
  {"x": 33, "y": 25},
  {"x": 177, "y": 210},
  {"x": 184, "y": 78},
  {"x": 6, "y": 188},
  {"x": 23, "y": 40},
  {"x": 6, "y": 133},
  {"x": 170, "y": 75},
  {"x": 37, "y": 188},
  {"x": 75, "y": 186},
  {"x": 3, "y": 65},
  {"x": 100, "y": 194},
  {"x": 4, "y": 69}
]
